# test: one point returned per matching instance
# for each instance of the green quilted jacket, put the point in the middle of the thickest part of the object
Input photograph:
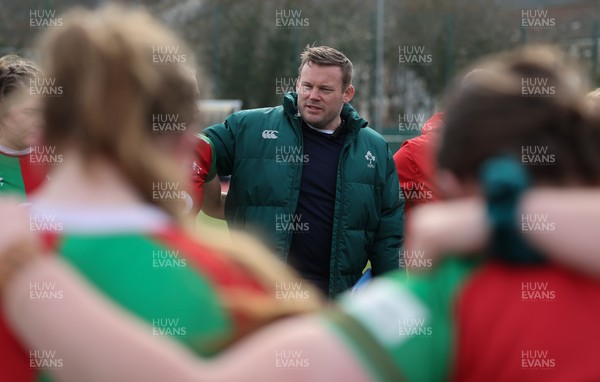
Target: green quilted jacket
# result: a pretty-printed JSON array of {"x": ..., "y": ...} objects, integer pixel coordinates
[{"x": 369, "y": 213}]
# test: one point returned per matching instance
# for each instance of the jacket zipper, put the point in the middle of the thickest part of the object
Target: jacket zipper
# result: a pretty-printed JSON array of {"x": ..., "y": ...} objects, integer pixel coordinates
[
  {"x": 297, "y": 178},
  {"x": 339, "y": 213}
]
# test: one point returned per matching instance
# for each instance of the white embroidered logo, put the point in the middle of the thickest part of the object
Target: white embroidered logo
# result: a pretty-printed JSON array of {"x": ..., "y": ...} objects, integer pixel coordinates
[
  {"x": 270, "y": 134},
  {"x": 196, "y": 168},
  {"x": 371, "y": 158}
]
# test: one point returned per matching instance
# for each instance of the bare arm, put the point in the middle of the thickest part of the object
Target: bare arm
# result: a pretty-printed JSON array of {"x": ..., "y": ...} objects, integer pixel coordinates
[
  {"x": 570, "y": 237},
  {"x": 454, "y": 226},
  {"x": 214, "y": 200},
  {"x": 99, "y": 342}
]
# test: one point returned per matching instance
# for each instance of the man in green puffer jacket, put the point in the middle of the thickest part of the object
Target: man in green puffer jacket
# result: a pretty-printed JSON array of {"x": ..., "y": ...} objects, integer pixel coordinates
[{"x": 313, "y": 180}]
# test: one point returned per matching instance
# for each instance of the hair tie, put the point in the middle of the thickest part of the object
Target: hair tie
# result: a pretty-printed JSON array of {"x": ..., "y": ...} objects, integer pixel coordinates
[{"x": 504, "y": 181}]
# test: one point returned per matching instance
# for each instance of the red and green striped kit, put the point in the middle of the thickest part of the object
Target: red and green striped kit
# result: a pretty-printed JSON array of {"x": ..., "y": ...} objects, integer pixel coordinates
[
  {"x": 469, "y": 320},
  {"x": 147, "y": 266},
  {"x": 19, "y": 174}
]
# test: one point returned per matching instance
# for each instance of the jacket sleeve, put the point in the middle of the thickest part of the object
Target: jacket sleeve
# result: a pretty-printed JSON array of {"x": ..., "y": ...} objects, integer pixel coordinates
[
  {"x": 407, "y": 171},
  {"x": 223, "y": 137},
  {"x": 389, "y": 238}
]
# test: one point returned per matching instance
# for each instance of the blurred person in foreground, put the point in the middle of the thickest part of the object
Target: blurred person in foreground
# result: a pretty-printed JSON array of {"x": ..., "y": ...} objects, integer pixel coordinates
[
  {"x": 312, "y": 179},
  {"x": 460, "y": 225},
  {"x": 509, "y": 316},
  {"x": 21, "y": 171},
  {"x": 592, "y": 100},
  {"x": 112, "y": 212}
]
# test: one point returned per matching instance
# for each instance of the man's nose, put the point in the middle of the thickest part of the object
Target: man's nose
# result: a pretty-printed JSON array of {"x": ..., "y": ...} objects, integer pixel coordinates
[{"x": 314, "y": 93}]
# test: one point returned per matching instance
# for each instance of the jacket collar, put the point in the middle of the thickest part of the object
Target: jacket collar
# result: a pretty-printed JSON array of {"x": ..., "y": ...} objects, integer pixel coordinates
[{"x": 348, "y": 114}]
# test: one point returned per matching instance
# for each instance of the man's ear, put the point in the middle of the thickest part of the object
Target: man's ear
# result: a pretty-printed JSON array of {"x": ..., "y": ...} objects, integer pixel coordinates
[{"x": 348, "y": 93}]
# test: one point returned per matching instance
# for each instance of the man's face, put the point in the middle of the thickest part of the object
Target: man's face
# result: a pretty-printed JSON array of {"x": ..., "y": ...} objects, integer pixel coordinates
[
  {"x": 320, "y": 95},
  {"x": 21, "y": 122}
]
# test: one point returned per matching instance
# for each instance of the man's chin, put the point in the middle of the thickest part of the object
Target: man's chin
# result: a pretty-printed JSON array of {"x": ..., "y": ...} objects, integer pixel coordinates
[
  {"x": 317, "y": 124},
  {"x": 311, "y": 120}
]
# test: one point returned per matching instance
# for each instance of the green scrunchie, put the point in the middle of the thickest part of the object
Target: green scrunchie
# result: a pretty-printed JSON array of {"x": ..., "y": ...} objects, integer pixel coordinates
[{"x": 504, "y": 181}]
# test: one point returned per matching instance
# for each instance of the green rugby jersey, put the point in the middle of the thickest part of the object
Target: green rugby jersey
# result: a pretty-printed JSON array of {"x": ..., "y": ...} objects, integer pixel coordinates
[
  {"x": 20, "y": 172},
  {"x": 142, "y": 262},
  {"x": 468, "y": 320}
]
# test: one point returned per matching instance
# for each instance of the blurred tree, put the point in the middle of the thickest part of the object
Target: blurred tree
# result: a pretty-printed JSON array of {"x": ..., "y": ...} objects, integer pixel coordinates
[
  {"x": 244, "y": 51},
  {"x": 18, "y": 21}
]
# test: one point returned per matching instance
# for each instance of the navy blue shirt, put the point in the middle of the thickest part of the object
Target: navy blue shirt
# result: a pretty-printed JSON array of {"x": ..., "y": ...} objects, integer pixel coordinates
[{"x": 310, "y": 251}]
